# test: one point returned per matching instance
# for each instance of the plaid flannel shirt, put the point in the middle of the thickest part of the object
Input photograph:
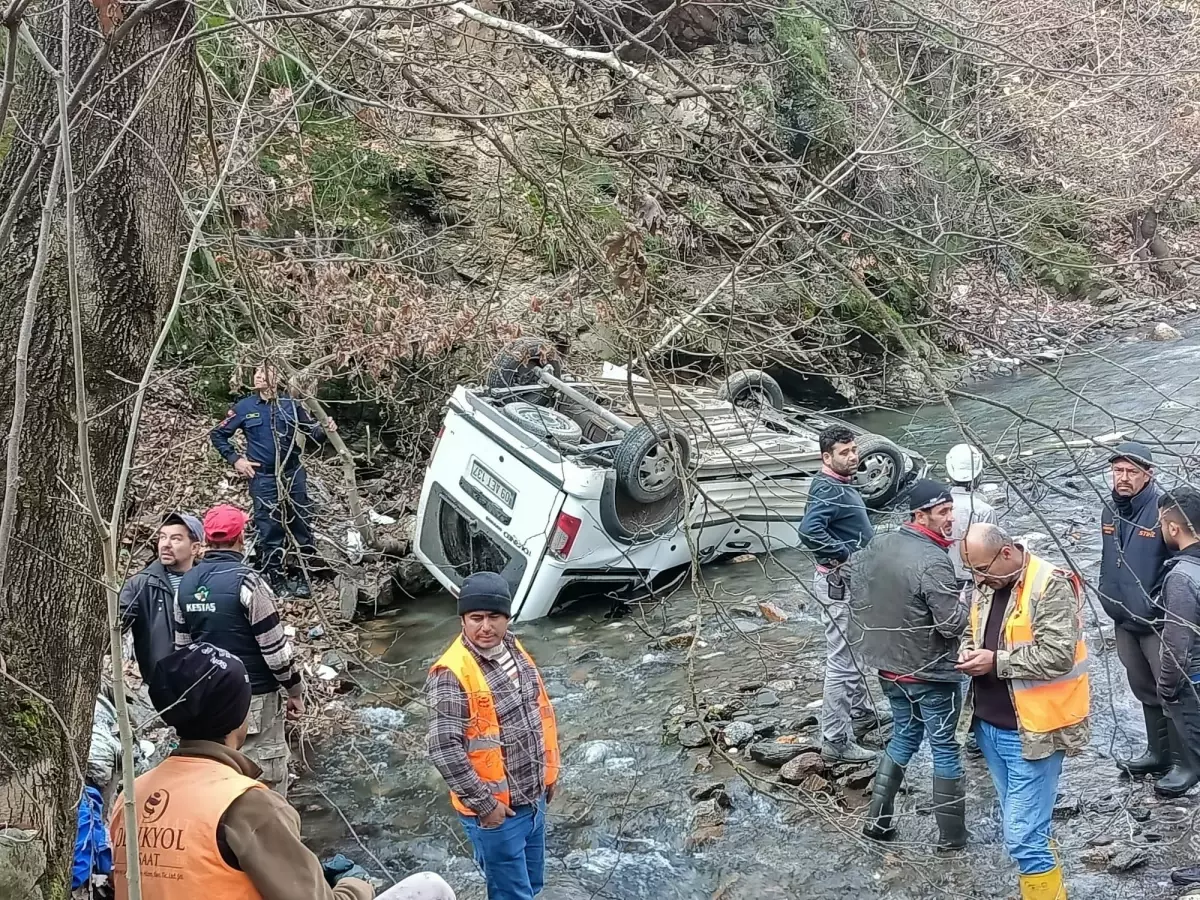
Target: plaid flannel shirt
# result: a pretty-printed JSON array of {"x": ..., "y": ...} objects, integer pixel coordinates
[{"x": 520, "y": 731}]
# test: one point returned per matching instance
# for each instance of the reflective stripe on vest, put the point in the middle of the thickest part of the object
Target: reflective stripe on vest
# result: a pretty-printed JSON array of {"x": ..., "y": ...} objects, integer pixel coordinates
[
  {"x": 1042, "y": 705},
  {"x": 485, "y": 748},
  {"x": 179, "y": 805}
]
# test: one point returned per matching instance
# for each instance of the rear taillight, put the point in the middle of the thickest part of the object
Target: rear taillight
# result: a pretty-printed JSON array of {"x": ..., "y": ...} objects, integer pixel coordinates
[
  {"x": 437, "y": 440},
  {"x": 566, "y": 529}
]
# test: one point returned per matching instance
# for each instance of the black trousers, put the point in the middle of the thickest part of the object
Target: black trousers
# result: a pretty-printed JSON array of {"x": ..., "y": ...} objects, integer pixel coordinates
[
  {"x": 1184, "y": 713},
  {"x": 1141, "y": 655}
]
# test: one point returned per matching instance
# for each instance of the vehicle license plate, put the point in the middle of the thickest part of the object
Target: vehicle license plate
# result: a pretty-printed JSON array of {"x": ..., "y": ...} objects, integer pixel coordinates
[{"x": 494, "y": 485}]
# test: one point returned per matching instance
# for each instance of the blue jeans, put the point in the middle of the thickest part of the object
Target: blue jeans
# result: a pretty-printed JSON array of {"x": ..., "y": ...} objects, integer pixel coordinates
[
  {"x": 927, "y": 708},
  {"x": 1027, "y": 790},
  {"x": 513, "y": 854}
]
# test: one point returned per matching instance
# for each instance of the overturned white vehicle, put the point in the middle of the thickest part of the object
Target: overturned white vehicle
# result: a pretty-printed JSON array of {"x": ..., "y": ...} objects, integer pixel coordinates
[{"x": 615, "y": 485}]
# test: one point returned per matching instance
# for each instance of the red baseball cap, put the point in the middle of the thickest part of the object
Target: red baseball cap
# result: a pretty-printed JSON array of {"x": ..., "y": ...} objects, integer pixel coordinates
[{"x": 224, "y": 524}]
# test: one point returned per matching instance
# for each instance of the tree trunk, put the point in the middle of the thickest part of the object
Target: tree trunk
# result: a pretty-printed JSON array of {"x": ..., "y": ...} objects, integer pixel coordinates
[{"x": 128, "y": 222}]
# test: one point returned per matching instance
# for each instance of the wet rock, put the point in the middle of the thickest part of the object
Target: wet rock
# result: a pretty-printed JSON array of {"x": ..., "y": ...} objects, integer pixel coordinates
[
  {"x": 692, "y": 736},
  {"x": 588, "y": 656},
  {"x": 333, "y": 659},
  {"x": 1067, "y": 807},
  {"x": 678, "y": 709},
  {"x": 1140, "y": 814},
  {"x": 749, "y": 687},
  {"x": 745, "y": 626},
  {"x": 1164, "y": 332},
  {"x": 814, "y": 784},
  {"x": 725, "y": 710},
  {"x": 707, "y": 813},
  {"x": 795, "y": 771},
  {"x": 773, "y": 612},
  {"x": 674, "y": 642},
  {"x": 715, "y": 791},
  {"x": 738, "y": 733},
  {"x": 778, "y": 753},
  {"x": 858, "y": 779},
  {"x": 1098, "y": 856},
  {"x": 766, "y": 699},
  {"x": 781, "y": 686},
  {"x": 704, "y": 834},
  {"x": 1152, "y": 837},
  {"x": 801, "y": 723},
  {"x": 565, "y": 629},
  {"x": 1128, "y": 859},
  {"x": 556, "y": 690},
  {"x": 1103, "y": 840},
  {"x": 317, "y": 631},
  {"x": 703, "y": 764},
  {"x": 743, "y": 612},
  {"x": 767, "y": 729}
]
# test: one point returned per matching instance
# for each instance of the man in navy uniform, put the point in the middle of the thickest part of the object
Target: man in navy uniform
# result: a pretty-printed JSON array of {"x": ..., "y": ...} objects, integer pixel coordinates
[{"x": 278, "y": 483}]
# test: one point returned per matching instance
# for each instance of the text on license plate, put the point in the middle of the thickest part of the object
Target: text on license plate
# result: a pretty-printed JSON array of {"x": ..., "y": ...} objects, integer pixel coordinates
[{"x": 494, "y": 485}]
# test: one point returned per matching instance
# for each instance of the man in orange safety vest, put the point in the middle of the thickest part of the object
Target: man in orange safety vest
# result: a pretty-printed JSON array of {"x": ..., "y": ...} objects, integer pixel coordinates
[
  {"x": 1028, "y": 702},
  {"x": 493, "y": 737}
]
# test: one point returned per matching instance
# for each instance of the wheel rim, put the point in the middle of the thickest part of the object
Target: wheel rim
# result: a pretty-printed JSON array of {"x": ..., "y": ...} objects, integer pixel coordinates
[
  {"x": 876, "y": 473},
  {"x": 751, "y": 397},
  {"x": 656, "y": 469}
]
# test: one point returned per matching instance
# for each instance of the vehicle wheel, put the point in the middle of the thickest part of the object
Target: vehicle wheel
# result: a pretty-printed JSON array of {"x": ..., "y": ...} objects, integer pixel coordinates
[
  {"x": 514, "y": 364},
  {"x": 750, "y": 387},
  {"x": 644, "y": 461},
  {"x": 880, "y": 474},
  {"x": 543, "y": 422}
]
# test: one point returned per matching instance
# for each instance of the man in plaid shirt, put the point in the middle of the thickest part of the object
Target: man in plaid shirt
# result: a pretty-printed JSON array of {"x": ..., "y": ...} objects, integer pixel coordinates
[{"x": 493, "y": 737}]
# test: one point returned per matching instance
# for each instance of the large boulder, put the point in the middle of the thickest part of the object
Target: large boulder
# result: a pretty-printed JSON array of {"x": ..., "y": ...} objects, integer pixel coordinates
[{"x": 22, "y": 863}]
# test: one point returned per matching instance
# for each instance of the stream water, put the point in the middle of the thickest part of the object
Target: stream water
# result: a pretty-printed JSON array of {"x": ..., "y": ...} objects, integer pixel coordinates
[{"x": 624, "y": 825}]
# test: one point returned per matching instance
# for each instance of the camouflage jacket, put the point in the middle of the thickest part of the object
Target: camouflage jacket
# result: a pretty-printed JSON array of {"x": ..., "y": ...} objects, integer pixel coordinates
[{"x": 1056, "y": 629}]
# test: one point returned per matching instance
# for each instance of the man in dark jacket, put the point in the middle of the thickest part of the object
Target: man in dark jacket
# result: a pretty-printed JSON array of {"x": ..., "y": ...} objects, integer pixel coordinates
[
  {"x": 223, "y": 602},
  {"x": 908, "y": 612},
  {"x": 1131, "y": 571},
  {"x": 147, "y": 597},
  {"x": 1179, "y": 675},
  {"x": 834, "y": 526}
]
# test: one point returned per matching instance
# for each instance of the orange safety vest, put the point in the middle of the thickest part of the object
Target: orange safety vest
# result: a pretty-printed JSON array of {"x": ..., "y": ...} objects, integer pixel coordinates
[
  {"x": 484, "y": 747},
  {"x": 179, "y": 805},
  {"x": 1042, "y": 705}
]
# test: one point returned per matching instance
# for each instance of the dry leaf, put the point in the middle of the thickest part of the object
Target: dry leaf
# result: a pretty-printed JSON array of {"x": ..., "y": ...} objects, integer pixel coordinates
[{"x": 110, "y": 15}]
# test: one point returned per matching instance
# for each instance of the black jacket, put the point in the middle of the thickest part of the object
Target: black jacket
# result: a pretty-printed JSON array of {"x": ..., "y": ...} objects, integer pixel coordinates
[
  {"x": 146, "y": 602},
  {"x": 835, "y": 522},
  {"x": 906, "y": 611},
  {"x": 1180, "y": 643},
  {"x": 1131, "y": 561},
  {"x": 210, "y": 600}
]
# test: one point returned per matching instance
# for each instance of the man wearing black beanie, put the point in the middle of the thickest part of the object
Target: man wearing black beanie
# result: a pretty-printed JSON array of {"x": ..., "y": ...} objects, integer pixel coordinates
[
  {"x": 206, "y": 826},
  {"x": 493, "y": 737}
]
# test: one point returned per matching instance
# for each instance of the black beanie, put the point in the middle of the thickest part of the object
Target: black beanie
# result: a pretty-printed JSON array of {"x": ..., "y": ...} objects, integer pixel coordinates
[
  {"x": 484, "y": 592},
  {"x": 202, "y": 692},
  {"x": 926, "y": 494}
]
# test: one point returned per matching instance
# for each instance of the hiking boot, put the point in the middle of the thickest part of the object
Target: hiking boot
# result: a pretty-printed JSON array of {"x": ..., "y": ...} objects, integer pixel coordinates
[
  {"x": 1157, "y": 758},
  {"x": 881, "y": 814},
  {"x": 1182, "y": 776},
  {"x": 279, "y": 584},
  {"x": 870, "y": 721},
  {"x": 846, "y": 752},
  {"x": 950, "y": 812}
]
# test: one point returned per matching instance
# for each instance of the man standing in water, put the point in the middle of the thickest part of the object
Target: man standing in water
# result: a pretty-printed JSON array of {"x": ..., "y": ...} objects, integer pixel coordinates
[
  {"x": 493, "y": 737},
  {"x": 907, "y": 604},
  {"x": 835, "y": 525},
  {"x": 1029, "y": 699},
  {"x": 1132, "y": 561}
]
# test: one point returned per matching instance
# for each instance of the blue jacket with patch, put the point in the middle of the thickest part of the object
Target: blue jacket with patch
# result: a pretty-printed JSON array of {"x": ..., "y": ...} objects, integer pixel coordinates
[
  {"x": 270, "y": 427},
  {"x": 1132, "y": 561}
]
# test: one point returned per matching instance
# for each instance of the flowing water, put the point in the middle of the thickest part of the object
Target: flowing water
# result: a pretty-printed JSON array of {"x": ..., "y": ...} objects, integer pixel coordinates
[{"x": 624, "y": 825}]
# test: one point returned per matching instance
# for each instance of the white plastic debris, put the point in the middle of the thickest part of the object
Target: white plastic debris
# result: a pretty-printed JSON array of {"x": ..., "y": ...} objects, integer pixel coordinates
[
  {"x": 608, "y": 370},
  {"x": 327, "y": 673},
  {"x": 355, "y": 546},
  {"x": 289, "y": 631},
  {"x": 380, "y": 518}
]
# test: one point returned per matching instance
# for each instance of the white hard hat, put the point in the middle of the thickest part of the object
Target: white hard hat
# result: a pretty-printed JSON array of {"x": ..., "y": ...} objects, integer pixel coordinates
[{"x": 964, "y": 463}]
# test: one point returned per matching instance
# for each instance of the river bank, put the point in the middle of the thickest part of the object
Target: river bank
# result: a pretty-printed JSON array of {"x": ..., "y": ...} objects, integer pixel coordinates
[{"x": 626, "y": 824}]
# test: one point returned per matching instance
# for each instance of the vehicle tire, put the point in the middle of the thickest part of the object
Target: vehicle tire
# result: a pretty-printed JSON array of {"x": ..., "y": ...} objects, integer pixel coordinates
[
  {"x": 750, "y": 387},
  {"x": 644, "y": 464},
  {"x": 514, "y": 365},
  {"x": 880, "y": 475},
  {"x": 543, "y": 422}
]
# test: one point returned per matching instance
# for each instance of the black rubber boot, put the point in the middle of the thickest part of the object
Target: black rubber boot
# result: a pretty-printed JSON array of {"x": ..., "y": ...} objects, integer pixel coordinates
[
  {"x": 950, "y": 812},
  {"x": 298, "y": 587},
  {"x": 881, "y": 824},
  {"x": 1182, "y": 777},
  {"x": 1157, "y": 758}
]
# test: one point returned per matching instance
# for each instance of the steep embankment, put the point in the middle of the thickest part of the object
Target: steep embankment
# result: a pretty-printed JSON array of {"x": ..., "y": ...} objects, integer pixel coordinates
[{"x": 839, "y": 186}]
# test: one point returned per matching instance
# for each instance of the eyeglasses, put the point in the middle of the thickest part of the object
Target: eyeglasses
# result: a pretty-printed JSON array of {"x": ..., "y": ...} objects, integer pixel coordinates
[{"x": 979, "y": 570}]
